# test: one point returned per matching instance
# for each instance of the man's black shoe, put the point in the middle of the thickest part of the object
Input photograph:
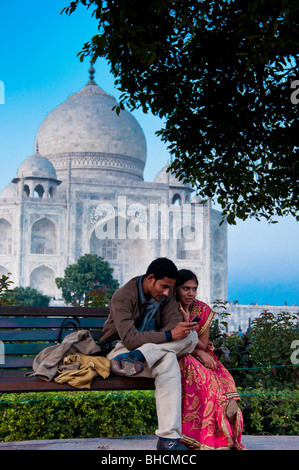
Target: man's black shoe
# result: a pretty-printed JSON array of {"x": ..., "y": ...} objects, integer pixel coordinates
[
  {"x": 128, "y": 363},
  {"x": 170, "y": 444}
]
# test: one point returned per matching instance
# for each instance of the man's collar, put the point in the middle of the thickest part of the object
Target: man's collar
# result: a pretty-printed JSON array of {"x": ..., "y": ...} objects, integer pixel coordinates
[{"x": 140, "y": 290}]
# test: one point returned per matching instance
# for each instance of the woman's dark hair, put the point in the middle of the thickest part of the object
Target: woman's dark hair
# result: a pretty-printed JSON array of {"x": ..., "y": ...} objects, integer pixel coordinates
[
  {"x": 162, "y": 267},
  {"x": 185, "y": 275}
]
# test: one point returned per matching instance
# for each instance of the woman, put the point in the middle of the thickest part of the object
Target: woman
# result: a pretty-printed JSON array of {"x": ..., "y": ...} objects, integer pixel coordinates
[{"x": 210, "y": 414}]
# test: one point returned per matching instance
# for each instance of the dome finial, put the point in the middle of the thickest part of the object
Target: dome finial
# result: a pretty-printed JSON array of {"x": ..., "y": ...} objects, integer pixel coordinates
[{"x": 91, "y": 70}]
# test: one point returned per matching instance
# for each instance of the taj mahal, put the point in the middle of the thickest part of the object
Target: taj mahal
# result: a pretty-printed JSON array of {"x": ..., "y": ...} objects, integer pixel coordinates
[{"x": 83, "y": 191}]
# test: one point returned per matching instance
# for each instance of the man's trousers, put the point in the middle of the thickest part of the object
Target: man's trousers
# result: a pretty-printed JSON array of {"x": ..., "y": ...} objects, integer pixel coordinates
[{"x": 161, "y": 363}]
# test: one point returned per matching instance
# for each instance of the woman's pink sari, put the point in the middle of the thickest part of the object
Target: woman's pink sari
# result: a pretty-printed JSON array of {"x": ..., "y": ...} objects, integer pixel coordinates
[{"x": 205, "y": 394}]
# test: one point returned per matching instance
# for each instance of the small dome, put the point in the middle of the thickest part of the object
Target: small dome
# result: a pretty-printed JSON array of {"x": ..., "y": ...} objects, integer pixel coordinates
[
  {"x": 36, "y": 166},
  {"x": 169, "y": 178},
  {"x": 9, "y": 192},
  {"x": 196, "y": 200}
]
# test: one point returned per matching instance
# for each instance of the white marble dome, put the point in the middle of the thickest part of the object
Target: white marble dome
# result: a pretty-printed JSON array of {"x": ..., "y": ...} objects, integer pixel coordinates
[
  {"x": 36, "y": 166},
  {"x": 88, "y": 131}
]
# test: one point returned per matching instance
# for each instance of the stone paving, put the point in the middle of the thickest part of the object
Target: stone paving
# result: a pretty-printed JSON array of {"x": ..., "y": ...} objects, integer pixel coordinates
[{"x": 142, "y": 443}]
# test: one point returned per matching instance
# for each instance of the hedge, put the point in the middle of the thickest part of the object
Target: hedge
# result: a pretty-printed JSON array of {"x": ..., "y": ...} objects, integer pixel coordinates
[
  {"x": 69, "y": 415},
  {"x": 271, "y": 411},
  {"x": 88, "y": 414}
]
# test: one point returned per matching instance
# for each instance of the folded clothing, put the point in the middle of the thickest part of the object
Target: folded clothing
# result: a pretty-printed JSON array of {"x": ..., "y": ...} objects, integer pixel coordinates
[
  {"x": 80, "y": 378},
  {"x": 78, "y": 370}
]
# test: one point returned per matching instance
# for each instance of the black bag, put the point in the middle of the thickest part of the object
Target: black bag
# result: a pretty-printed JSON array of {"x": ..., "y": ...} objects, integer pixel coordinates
[{"x": 68, "y": 322}]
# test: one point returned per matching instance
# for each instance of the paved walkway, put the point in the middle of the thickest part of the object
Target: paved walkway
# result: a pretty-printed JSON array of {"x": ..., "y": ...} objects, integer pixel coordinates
[{"x": 143, "y": 443}]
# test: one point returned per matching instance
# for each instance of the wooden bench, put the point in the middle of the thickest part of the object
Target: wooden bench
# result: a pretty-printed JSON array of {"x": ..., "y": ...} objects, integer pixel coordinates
[{"x": 25, "y": 331}]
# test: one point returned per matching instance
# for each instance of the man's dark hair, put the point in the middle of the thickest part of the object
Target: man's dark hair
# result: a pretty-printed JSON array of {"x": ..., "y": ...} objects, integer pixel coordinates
[{"x": 162, "y": 267}]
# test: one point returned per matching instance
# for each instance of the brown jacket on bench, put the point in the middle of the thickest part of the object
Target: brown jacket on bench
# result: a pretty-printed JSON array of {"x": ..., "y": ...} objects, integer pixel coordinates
[{"x": 46, "y": 363}]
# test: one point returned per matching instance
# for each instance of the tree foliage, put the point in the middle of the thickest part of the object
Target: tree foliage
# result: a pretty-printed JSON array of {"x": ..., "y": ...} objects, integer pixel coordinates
[
  {"x": 6, "y": 297},
  {"x": 220, "y": 75},
  {"x": 20, "y": 295},
  {"x": 29, "y": 297},
  {"x": 88, "y": 274}
]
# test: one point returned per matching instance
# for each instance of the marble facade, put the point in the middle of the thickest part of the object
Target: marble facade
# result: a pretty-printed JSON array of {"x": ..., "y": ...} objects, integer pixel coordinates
[{"x": 83, "y": 191}]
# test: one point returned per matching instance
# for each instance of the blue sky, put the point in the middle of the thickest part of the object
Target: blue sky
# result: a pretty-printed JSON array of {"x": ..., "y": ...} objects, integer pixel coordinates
[{"x": 40, "y": 69}]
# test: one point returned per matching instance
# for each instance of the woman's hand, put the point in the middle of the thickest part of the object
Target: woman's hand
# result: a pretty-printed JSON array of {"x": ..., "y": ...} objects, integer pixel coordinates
[
  {"x": 205, "y": 359},
  {"x": 184, "y": 313}
]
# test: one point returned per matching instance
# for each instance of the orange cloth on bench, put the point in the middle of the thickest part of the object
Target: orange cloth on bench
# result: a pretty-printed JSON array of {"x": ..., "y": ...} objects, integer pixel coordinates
[{"x": 87, "y": 367}]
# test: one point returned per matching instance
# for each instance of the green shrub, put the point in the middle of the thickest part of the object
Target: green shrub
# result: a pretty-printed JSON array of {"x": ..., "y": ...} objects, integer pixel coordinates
[
  {"x": 262, "y": 356},
  {"x": 270, "y": 338},
  {"x": 272, "y": 411},
  {"x": 239, "y": 362},
  {"x": 88, "y": 414},
  {"x": 68, "y": 415}
]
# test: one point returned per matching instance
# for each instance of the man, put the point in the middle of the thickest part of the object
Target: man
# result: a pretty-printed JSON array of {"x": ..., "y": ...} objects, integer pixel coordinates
[{"x": 147, "y": 334}]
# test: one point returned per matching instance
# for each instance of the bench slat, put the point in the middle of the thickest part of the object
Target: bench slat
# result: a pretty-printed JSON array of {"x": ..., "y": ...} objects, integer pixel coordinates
[
  {"x": 19, "y": 383},
  {"x": 16, "y": 362},
  {"x": 26, "y": 348},
  {"x": 47, "y": 322},
  {"x": 23, "y": 311},
  {"x": 39, "y": 335}
]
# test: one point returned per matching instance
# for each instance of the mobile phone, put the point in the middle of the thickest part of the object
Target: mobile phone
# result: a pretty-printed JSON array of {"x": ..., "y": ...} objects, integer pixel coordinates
[{"x": 196, "y": 319}]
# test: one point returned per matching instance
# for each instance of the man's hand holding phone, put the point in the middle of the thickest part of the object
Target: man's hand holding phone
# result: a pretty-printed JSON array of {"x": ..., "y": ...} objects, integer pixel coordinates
[{"x": 183, "y": 329}]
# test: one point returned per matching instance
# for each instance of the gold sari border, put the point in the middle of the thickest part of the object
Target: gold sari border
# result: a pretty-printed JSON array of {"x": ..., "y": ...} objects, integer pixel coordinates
[{"x": 207, "y": 323}]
